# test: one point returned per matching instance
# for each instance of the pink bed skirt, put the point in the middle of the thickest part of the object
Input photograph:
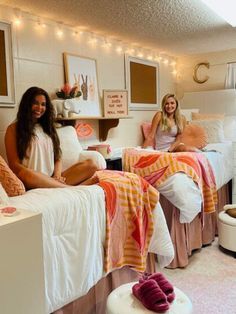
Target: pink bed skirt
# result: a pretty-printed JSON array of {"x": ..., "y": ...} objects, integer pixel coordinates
[
  {"x": 191, "y": 236},
  {"x": 94, "y": 302}
]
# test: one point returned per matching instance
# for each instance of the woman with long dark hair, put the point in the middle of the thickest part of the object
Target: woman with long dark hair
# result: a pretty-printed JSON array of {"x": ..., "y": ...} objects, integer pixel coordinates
[{"x": 33, "y": 147}]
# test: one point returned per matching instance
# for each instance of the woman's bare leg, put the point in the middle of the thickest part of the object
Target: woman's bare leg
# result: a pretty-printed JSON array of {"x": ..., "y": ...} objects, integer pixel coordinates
[
  {"x": 81, "y": 173},
  {"x": 90, "y": 181}
]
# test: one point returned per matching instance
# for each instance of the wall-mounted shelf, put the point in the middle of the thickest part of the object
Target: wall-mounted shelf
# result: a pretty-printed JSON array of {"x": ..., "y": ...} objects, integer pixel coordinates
[{"x": 105, "y": 124}]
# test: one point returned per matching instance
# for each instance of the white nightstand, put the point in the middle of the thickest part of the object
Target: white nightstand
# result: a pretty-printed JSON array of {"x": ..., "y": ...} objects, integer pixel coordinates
[
  {"x": 21, "y": 264},
  {"x": 234, "y": 177}
]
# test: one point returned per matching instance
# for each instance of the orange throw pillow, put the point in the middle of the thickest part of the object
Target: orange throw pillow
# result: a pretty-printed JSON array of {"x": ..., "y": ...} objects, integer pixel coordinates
[
  {"x": 12, "y": 185},
  {"x": 194, "y": 135},
  {"x": 207, "y": 116}
]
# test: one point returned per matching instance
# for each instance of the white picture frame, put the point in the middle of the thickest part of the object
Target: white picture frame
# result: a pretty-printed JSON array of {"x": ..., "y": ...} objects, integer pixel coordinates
[
  {"x": 7, "y": 92},
  {"x": 142, "y": 83},
  {"x": 83, "y": 72}
]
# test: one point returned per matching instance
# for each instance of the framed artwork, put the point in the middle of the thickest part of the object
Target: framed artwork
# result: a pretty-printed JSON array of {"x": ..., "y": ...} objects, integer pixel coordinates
[
  {"x": 115, "y": 103},
  {"x": 82, "y": 73},
  {"x": 142, "y": 83},
  {"x": 7, "y": 95}
]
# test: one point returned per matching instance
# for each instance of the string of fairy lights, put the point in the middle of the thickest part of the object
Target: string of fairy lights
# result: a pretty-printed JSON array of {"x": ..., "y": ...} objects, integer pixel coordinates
[{"x": 20, "y": 19}]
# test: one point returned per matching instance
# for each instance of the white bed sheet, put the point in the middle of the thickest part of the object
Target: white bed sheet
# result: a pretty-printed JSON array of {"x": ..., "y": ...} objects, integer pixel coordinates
[
  {"x": 73, "y": 239},
  {"x": 180, "y": 189},
  {"x": 221, "y": 162}
]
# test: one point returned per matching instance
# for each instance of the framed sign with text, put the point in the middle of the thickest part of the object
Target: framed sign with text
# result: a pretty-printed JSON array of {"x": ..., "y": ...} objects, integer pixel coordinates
[{"x": 115, "y": 103}]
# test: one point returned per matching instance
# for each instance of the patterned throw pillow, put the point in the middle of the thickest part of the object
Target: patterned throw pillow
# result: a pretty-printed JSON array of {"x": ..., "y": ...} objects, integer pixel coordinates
[
  {"x": 11, "y": 184},
  {"x": 4, "y": 199}
]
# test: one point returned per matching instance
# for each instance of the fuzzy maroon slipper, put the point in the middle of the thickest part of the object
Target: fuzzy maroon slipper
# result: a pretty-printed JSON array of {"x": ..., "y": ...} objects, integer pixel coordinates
[
  {"x": 164, "y": 284},
  {"x": 151, "y": 296}
]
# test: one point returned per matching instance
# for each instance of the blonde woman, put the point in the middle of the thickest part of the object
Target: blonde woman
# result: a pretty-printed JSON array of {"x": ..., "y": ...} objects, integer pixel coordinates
[{"x": 167, "y": 125}]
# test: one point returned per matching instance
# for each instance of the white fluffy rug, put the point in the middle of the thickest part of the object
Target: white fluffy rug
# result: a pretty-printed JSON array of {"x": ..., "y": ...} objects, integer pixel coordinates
[{"x": 209, "y": 280}]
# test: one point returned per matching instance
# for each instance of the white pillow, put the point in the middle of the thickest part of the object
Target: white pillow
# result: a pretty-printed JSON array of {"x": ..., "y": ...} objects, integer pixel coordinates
[
  {"x": 4, "y": 199},
  {"x": 96, "y": 157},
  {"x": 230, "y": 128},
  {"x": 70, "y": 146},
  {"x": 214, "y": 130},
  {"x": 188, "y": 113}
]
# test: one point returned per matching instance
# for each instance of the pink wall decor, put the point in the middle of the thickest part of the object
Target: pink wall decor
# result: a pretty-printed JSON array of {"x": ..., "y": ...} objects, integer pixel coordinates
[{"x": 84, "y": 130}]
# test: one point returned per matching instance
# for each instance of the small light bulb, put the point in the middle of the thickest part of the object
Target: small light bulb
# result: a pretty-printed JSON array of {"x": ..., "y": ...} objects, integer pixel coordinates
[
  {"x": 140, "y": 54},
  {"x": 17, "y": 22},
  {"x": 119, "y": 49}
]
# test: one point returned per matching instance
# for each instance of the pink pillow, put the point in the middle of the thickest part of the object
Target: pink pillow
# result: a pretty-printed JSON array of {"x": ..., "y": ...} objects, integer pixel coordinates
[
  {"x": 146, "y": 128},
  {"x": 12, "y": 185}
]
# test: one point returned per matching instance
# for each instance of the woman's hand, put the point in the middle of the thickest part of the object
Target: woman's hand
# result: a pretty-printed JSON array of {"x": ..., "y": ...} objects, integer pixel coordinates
[
  {"x": 59, "y": 178},
  {"x": 145, "y": 144},
  {"x": 57, "y": 172}
]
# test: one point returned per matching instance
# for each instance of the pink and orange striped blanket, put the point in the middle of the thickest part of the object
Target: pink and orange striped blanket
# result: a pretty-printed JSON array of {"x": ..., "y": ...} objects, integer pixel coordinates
[
  {"x": 156, "y": 167},
  {"x": 130, "y": 202}
]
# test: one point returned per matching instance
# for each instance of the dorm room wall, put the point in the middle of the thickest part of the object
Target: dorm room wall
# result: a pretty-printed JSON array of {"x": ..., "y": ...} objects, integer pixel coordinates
[
  {"x": 216, "y": 72},
  {"x": 37, "y": 58}
]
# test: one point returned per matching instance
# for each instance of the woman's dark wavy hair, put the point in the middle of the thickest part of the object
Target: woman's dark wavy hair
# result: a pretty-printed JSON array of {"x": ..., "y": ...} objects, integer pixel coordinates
[{"x": 25, "y": 124}]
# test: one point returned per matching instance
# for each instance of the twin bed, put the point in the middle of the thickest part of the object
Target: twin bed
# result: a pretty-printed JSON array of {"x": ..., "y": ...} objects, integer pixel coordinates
[
  {"x": 181, "y": 199},
  {"x": 74, "y": 224},
  {"x": 74, "y": 236}
]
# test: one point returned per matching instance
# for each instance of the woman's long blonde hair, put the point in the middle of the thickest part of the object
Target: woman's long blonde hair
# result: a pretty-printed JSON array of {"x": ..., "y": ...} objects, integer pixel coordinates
[{"x": 165, "y": 125}]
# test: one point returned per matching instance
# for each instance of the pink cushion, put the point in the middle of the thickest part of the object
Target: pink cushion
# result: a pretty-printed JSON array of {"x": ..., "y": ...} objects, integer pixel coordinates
[
  {"x": 12, "y": 185},
  {"x": 146, "y": 129}
]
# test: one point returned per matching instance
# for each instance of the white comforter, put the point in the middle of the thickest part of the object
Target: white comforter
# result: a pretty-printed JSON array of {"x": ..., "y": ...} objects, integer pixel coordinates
[{"x": 73, "y": 238}]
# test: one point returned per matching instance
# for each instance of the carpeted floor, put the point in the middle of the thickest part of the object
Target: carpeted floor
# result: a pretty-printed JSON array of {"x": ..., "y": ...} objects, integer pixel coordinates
[{"x": 209, "y": 280}]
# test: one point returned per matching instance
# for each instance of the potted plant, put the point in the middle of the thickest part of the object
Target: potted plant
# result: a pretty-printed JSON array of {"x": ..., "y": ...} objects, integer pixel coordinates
[{"x": 68, "y": 92}]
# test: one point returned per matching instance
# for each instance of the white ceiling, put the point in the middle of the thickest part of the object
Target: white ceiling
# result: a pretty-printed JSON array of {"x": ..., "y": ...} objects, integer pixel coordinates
[{"x": 173, "y": 27}]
